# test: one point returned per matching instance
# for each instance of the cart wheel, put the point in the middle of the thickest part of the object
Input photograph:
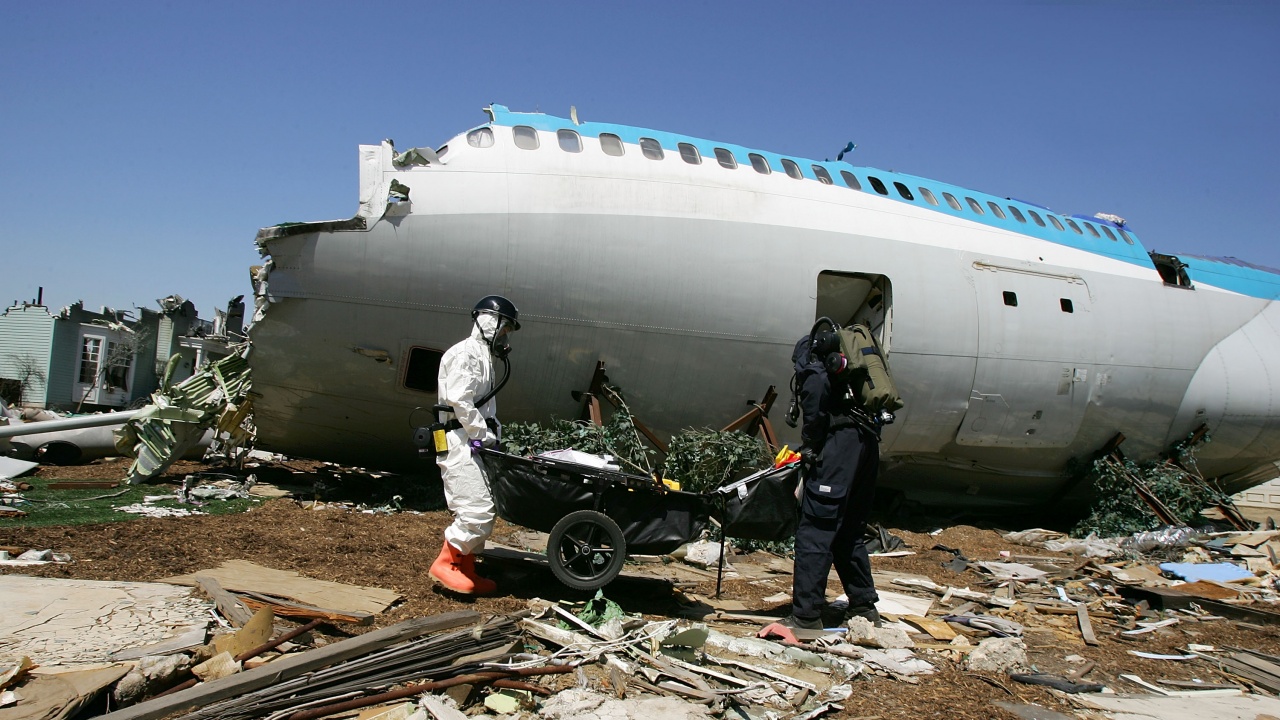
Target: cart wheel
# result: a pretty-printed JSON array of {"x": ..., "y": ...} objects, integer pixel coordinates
[{"x": 586, "y": 550}]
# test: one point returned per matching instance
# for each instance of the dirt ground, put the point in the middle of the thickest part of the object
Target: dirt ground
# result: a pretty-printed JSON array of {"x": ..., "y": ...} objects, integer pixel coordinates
[{"x": 394, "y": 551}]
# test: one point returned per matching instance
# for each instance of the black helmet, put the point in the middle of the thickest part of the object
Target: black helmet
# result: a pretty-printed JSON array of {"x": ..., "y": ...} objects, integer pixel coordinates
[{"x": 499, "y": 306}]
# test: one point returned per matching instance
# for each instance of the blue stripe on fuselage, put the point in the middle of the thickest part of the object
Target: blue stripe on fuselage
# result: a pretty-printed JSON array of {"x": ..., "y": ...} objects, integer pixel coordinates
[{"x": 1244, "y": 280}]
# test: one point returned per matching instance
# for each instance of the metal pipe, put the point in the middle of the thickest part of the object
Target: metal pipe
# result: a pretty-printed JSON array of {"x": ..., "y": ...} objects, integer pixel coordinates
[
  {"x": 473, "y": 679},
  {"x": 71, "y": 423}
]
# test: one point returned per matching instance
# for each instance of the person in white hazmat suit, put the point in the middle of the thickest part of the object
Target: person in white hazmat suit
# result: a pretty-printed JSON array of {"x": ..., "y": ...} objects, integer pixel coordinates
[{"x": 465, "y": 380}]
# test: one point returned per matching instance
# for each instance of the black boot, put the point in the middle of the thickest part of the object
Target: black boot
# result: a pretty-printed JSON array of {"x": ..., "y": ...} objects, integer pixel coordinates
[
  {"x": 866, "y": 611},
  {"x": 797, "y": 623}
]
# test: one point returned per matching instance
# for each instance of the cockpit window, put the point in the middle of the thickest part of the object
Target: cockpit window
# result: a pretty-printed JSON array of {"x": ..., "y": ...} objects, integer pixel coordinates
[
  {"x": 480, "y": 138},
  {"x": 1092, "y": 230},
  {"x": 975, "y": 205},
  {"x": 823, "y": 176},
  {"x": 1074, "y": 226},
  {"x": 952, "y": 201},
  {"x": 995, "y": 210},
  {"x": 526, "y": 137},
  {"x": 1017, "y": 214},
  {"x": 1053, "y": 219},
  {"x": 611, "y": 144},
  {"x": 726, "y": 159},
  {"x": 1107, "y": 230},
  {"x": 851, "y": 180},
  {"x": 927, "y": 194},
  {"x": 690, "y": 154},
  {"x": 792, "y": 168},
  {"x": 877, "y": 184},
  {"x": 759, "y": 163},
  {"x": 1036, "y": 216},
  {"x": 904, "y": 191},
  {"x": 651, "y": 148},
  {"x": 569, "y": 140}
]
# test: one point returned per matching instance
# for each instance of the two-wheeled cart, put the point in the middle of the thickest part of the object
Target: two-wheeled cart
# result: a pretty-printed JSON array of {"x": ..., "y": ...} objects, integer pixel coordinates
[{"x": 596, "y": 517}]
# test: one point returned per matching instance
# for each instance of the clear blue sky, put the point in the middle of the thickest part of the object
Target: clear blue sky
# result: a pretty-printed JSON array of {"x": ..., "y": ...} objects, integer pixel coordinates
[{"x": 143, "y": 144}]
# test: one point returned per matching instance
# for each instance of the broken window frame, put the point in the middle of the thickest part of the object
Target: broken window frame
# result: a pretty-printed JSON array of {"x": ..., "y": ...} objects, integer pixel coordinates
[
  {"x": 480, "y": 137},
  {"x": 1172, "y": 271},
  {"x": 417, "y": 373},
  {"x": 115, "y": 376}
]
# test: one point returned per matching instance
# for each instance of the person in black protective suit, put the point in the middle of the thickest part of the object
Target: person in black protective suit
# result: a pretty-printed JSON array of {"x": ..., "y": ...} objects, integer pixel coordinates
[{"x": 841, "y": 452}]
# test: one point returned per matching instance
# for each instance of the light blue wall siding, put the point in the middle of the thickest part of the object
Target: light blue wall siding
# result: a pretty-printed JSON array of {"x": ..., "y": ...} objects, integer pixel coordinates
[
  {"x": 65, "y": 364},
  {"x": 26, "y": 333}
]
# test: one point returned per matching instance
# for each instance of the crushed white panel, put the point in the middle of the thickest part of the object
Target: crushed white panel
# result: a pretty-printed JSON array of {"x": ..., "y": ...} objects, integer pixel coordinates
[
  {"x": 57, "y": 621},
  {"x": 11, "y": 468}
]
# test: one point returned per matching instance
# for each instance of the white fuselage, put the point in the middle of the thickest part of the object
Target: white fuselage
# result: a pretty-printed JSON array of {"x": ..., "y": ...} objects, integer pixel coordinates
[{"x": 693, "y": 283}]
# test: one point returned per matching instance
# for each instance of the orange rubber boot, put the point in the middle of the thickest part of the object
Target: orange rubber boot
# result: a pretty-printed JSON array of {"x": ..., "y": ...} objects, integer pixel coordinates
[
  {"x": 447, "y": 570},
  {"x": 483, "y": 585}
]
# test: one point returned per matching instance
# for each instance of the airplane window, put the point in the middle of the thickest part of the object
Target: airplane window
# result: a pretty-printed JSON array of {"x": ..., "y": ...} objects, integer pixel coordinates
[
  {"x": 928, "y": 196},
  {"x": 1110, "y": 234},
  {"x": 952, "y": 201},
  {"x": 690, "y": 154},
  {"x": 904, "y": 191},
  {"x": 1074, "y": 226},
  {"x": 1092, "y": 231},
  {"x": 569, "y": 141},
  {"x": 1017, "y": 214},
  {"x": 760, "y": 164},
  {"x": 421, "y": 370},
  {"x": 995, "y": 210},
  {"x": 1035, "y": 216},
  {"x": 823, "y": 176},
  {"x": 611, "y": 144},
  {"x": 1065, "y": 303},
  {"x": 850, "y": 179},
  {"x": 726, "y": 159},
  {"x": 793, "y": 170},
  {"x": 480, "y": 138},
  {"x": 651, "y": 148},
  {"x": 1010, "y": 298},
  {"x": 1126, "y": 237},
  {"x": 526, "y": 137},
  {"x": 877, "y": 185},
  {"x": 975, "y": 205},
  {"x": 1056, "y": 224}
]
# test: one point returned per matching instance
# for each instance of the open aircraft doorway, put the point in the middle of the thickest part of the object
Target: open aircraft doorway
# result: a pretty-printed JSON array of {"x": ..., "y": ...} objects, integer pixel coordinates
[{"x": 857, "y": 299}]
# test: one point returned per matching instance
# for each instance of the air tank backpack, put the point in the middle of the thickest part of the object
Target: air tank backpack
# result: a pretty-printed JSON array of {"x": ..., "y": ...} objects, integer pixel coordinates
[{"x": 868, "y": 370}]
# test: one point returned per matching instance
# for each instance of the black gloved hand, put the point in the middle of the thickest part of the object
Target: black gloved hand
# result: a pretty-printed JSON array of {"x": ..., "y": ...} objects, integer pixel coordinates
[{"x": 808, "y": 456}]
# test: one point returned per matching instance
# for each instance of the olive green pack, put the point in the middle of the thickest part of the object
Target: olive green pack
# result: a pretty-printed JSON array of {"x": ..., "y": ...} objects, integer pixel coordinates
[{"x": 872, "y": 382}]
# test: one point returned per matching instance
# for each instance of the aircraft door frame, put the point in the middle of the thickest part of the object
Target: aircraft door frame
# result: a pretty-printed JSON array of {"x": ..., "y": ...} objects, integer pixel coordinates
[{"x": 850, "y": 298}]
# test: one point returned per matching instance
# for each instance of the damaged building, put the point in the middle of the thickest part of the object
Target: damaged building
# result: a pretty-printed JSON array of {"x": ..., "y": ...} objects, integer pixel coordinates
[{"x": 80, "y": 360}]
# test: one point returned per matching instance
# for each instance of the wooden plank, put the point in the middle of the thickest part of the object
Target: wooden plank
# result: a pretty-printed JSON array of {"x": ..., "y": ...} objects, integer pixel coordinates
[
  {"x": 244, "y": 576},
  {"x": 227, "y": 604},
  {"x": 1086, "y": 627},
  {"x": 83, "y": 484},
  {"x": 937, "y": 629},
  {"x": 284, "y": 608},
  {"x": 291, "y": 666}
]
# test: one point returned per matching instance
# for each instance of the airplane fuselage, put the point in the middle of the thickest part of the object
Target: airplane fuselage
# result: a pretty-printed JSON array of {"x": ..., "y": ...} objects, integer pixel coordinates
[{"x": 1016, "y": 346}]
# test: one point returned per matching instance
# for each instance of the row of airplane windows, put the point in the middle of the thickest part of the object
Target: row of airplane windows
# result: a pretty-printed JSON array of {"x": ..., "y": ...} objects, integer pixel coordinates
[{"x": 526, "y": 138}]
